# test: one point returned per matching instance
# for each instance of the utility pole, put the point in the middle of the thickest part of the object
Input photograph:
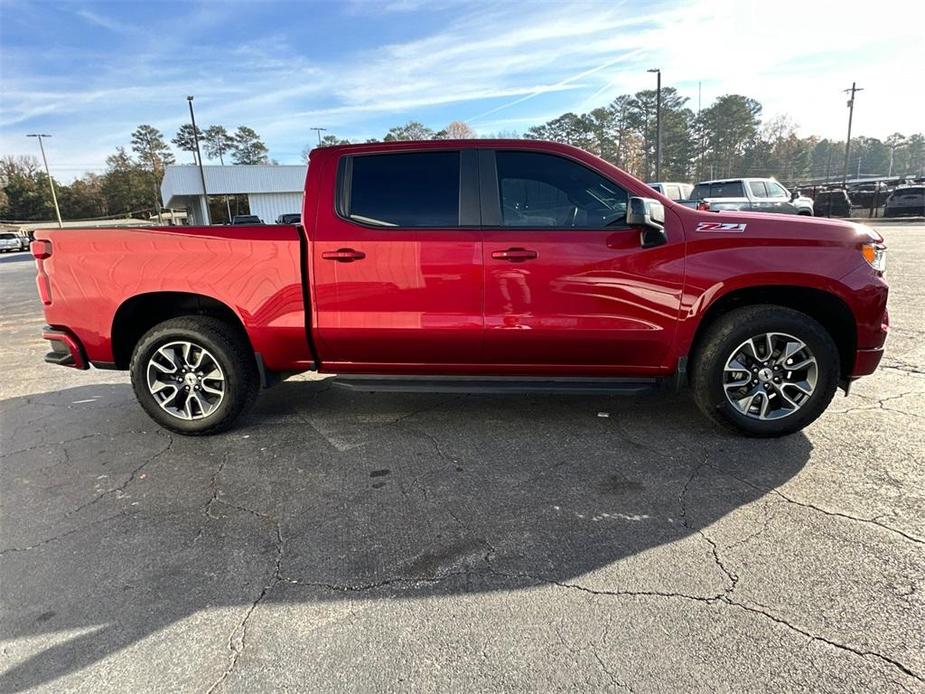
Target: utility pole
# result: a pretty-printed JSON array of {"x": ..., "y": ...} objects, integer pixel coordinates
[
  {"x": 854, "y": 89},
  {"x": 51, "y": 183},
  {"x": 658, "y": 123},
  {"x": 319, "y": 131},
  {"x": 202, "y": 173}
]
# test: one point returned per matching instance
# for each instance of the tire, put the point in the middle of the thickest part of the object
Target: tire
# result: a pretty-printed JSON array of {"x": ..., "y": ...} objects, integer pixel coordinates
[
  {"x": 213, "y": 403},
  {"x": 724, "y": 344}
]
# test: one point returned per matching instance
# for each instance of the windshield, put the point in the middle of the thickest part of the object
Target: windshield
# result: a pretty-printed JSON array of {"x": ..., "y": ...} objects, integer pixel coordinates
[{"x": 720, "y": 189}]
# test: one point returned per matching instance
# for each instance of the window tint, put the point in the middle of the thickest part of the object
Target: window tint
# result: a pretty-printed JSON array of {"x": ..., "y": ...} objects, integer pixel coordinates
[
  {"x": 415, "y": 189},
  {"x": 7, "y": 236},
  {"x": 758, "y": 189},
  {"x": 548, "y": 191},
  {"x": 775, "y": 190}
]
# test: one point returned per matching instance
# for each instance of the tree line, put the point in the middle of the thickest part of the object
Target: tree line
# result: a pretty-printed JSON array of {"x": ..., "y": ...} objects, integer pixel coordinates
[
  {"x": 131, "y": 182},
  {"x": 728, "y": 138}
]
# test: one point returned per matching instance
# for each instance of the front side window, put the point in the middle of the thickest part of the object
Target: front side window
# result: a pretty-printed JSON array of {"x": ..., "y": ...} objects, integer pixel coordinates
[
  {"x": 548, "y": 191},
  {"x": 408, "y": 189},
  {"x": 776, "y": 190},
  {"x": 758, "y": 189}
]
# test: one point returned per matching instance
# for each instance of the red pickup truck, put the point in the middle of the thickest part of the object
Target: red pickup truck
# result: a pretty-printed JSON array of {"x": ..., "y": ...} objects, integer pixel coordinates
[{"x": 485, "y": 265}]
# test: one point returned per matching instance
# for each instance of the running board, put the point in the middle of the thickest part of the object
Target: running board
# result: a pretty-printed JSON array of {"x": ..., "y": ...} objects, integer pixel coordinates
[{"x": 497, "y": 385}]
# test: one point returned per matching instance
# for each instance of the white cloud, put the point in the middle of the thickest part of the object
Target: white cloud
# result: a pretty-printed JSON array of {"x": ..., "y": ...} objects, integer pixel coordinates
[{"x": 504, "y": 63}]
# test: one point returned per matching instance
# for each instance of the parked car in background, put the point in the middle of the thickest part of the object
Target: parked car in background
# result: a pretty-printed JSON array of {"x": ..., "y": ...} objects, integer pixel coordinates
[
  {"x": 492, "y": 265},
  {"x": 246, "y": 219},
  {"x": 905, "y": 201},
  {"x": 293, "y": 218},
  {"x": 832, "y": 203},
  {"x": 748, "y": 195},
  {"x": 867, "y": 195},
  {"x": 10, "y": 241},
  {"x": 673, "y": 191}
]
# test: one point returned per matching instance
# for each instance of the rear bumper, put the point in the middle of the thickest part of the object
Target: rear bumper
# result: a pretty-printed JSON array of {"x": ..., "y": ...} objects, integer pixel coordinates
[{"x": 66, "y": 349}]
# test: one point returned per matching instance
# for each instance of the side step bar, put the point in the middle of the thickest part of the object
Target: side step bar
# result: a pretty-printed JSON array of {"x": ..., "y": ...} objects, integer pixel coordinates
[{"x": 497, "y": 385}]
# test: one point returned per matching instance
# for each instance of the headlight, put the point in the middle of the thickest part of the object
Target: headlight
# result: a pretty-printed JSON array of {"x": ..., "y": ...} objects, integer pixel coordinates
[{"x": 875, "y": 255}]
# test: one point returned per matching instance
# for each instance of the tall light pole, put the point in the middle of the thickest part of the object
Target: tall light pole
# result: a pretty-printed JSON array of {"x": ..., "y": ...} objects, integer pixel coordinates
[
  {"x": 202, "y": 173},
  {"x": 854, "y": 89},
  {"x": 51, "y": 183},
  {"x": 319, "y": 131},
  {"x": 658, "y": 123}
]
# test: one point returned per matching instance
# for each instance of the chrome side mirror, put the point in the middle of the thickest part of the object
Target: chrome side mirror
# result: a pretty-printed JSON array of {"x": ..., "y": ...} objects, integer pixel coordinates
[{"x": 649, "y": 214}]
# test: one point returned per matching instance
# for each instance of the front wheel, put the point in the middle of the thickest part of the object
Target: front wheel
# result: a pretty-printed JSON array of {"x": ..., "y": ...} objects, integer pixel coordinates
[
  {"x": 765, "y": 370},
  {"x": 194, "y": 375}
]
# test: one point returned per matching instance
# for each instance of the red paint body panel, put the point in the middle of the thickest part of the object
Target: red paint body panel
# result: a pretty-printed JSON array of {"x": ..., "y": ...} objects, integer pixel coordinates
[
  {"x": 416, "y": 296},
  {"x": 442, "y": 301},
  {"x": 252, "y": 270}
]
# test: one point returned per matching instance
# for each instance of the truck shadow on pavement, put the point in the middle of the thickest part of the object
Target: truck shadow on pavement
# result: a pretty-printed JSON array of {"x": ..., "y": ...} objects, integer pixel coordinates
[{"x": 113, "y": 529}]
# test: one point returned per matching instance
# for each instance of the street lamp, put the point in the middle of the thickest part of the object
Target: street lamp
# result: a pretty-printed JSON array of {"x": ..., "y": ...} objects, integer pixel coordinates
[
  {"x": 658, "y": 123},
  {"x": 202, "y": 173},
  {"x": 51, "y": 183}
]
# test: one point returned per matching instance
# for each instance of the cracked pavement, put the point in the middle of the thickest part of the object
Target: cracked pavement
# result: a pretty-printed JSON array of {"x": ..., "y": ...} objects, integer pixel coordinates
[{"x": 341, "y": 541}]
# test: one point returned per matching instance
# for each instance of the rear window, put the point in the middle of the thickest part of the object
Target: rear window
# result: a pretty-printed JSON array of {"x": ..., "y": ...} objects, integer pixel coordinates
[
  {"x": 414, "y": 189},
  {"x": 911, "y": 192},
  {"x": 723, "y": 189}
]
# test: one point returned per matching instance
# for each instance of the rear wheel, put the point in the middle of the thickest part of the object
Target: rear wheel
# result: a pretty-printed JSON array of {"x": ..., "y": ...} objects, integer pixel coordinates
[
  {"x": 765, "y": 370},
  {"x": 194, "y": 375}
]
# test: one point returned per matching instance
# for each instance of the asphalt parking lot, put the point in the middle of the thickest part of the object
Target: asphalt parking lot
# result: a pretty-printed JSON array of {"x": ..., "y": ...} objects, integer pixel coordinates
[{"x": 341, "y": 541}]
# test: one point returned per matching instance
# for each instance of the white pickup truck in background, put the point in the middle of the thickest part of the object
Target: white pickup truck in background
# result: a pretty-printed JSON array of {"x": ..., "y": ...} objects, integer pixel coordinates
[{"x": 748, "y": 195}]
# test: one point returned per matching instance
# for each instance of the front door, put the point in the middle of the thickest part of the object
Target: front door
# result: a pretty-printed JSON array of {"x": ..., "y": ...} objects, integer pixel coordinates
[
  {"x": 567, "y": 286},
  {"x": 398, "y": 266}
]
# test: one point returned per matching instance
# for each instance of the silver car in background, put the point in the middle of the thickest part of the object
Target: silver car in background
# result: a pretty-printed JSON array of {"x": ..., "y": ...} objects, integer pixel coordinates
[
  {"x": 673, "y": 190},
  {"x": 748, "y": 195},
  {"x": 12, "y": 242}
]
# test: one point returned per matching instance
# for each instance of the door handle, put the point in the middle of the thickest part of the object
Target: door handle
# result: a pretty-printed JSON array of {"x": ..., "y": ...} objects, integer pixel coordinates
[
  {"x": 515, "y": 255},
  {"x": 343, "y": 255}
]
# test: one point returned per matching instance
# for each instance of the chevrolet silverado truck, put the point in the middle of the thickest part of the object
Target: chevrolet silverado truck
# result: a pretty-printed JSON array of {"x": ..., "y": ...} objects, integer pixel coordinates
[
  {"x": 748, "y": 195},
  {"x": 477, "y": 265}
]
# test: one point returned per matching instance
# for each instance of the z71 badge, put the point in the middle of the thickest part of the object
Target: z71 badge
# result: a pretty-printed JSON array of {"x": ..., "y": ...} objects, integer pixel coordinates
[{"x": 720, "y": 226}]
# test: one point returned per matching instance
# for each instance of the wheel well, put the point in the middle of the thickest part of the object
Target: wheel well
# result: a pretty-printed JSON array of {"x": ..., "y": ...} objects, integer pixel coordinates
[
  {"x": 141, "y": 313},
  {"x": 830, "y": 311}
]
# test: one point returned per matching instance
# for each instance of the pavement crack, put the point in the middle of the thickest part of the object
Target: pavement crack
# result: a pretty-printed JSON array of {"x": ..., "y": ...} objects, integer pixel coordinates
[
  {"x": 121, "y": 487},
  {"x": 59, "y": 536},
  {"x": 827, "y": 512},
  {"x": 816, "y": 637},
  {"x": 237, "y": 641}
]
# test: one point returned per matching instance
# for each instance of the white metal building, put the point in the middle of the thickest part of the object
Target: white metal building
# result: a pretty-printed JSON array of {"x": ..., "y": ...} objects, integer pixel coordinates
[{"x": 270, "y": 190}]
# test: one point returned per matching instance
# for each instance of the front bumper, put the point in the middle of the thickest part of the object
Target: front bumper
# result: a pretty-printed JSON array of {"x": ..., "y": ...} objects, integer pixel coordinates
[
  {"x": 866, "y": 362},
  {"x": 66, "y": 349}
]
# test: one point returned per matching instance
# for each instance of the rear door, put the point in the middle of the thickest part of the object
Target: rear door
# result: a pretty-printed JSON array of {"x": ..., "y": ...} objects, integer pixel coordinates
[
  {"x": 566, "y": 281},
  {"x": 397, "y": 261}
]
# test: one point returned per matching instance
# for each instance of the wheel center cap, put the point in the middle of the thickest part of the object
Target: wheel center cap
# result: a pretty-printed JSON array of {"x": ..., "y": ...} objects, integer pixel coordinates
[
  {"x": 191, "y": 379},
  {"x": 765, "y": 375}
]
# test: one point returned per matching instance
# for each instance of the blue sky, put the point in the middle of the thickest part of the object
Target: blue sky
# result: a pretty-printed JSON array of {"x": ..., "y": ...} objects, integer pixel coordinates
[{"x": 89, "y": 72}]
